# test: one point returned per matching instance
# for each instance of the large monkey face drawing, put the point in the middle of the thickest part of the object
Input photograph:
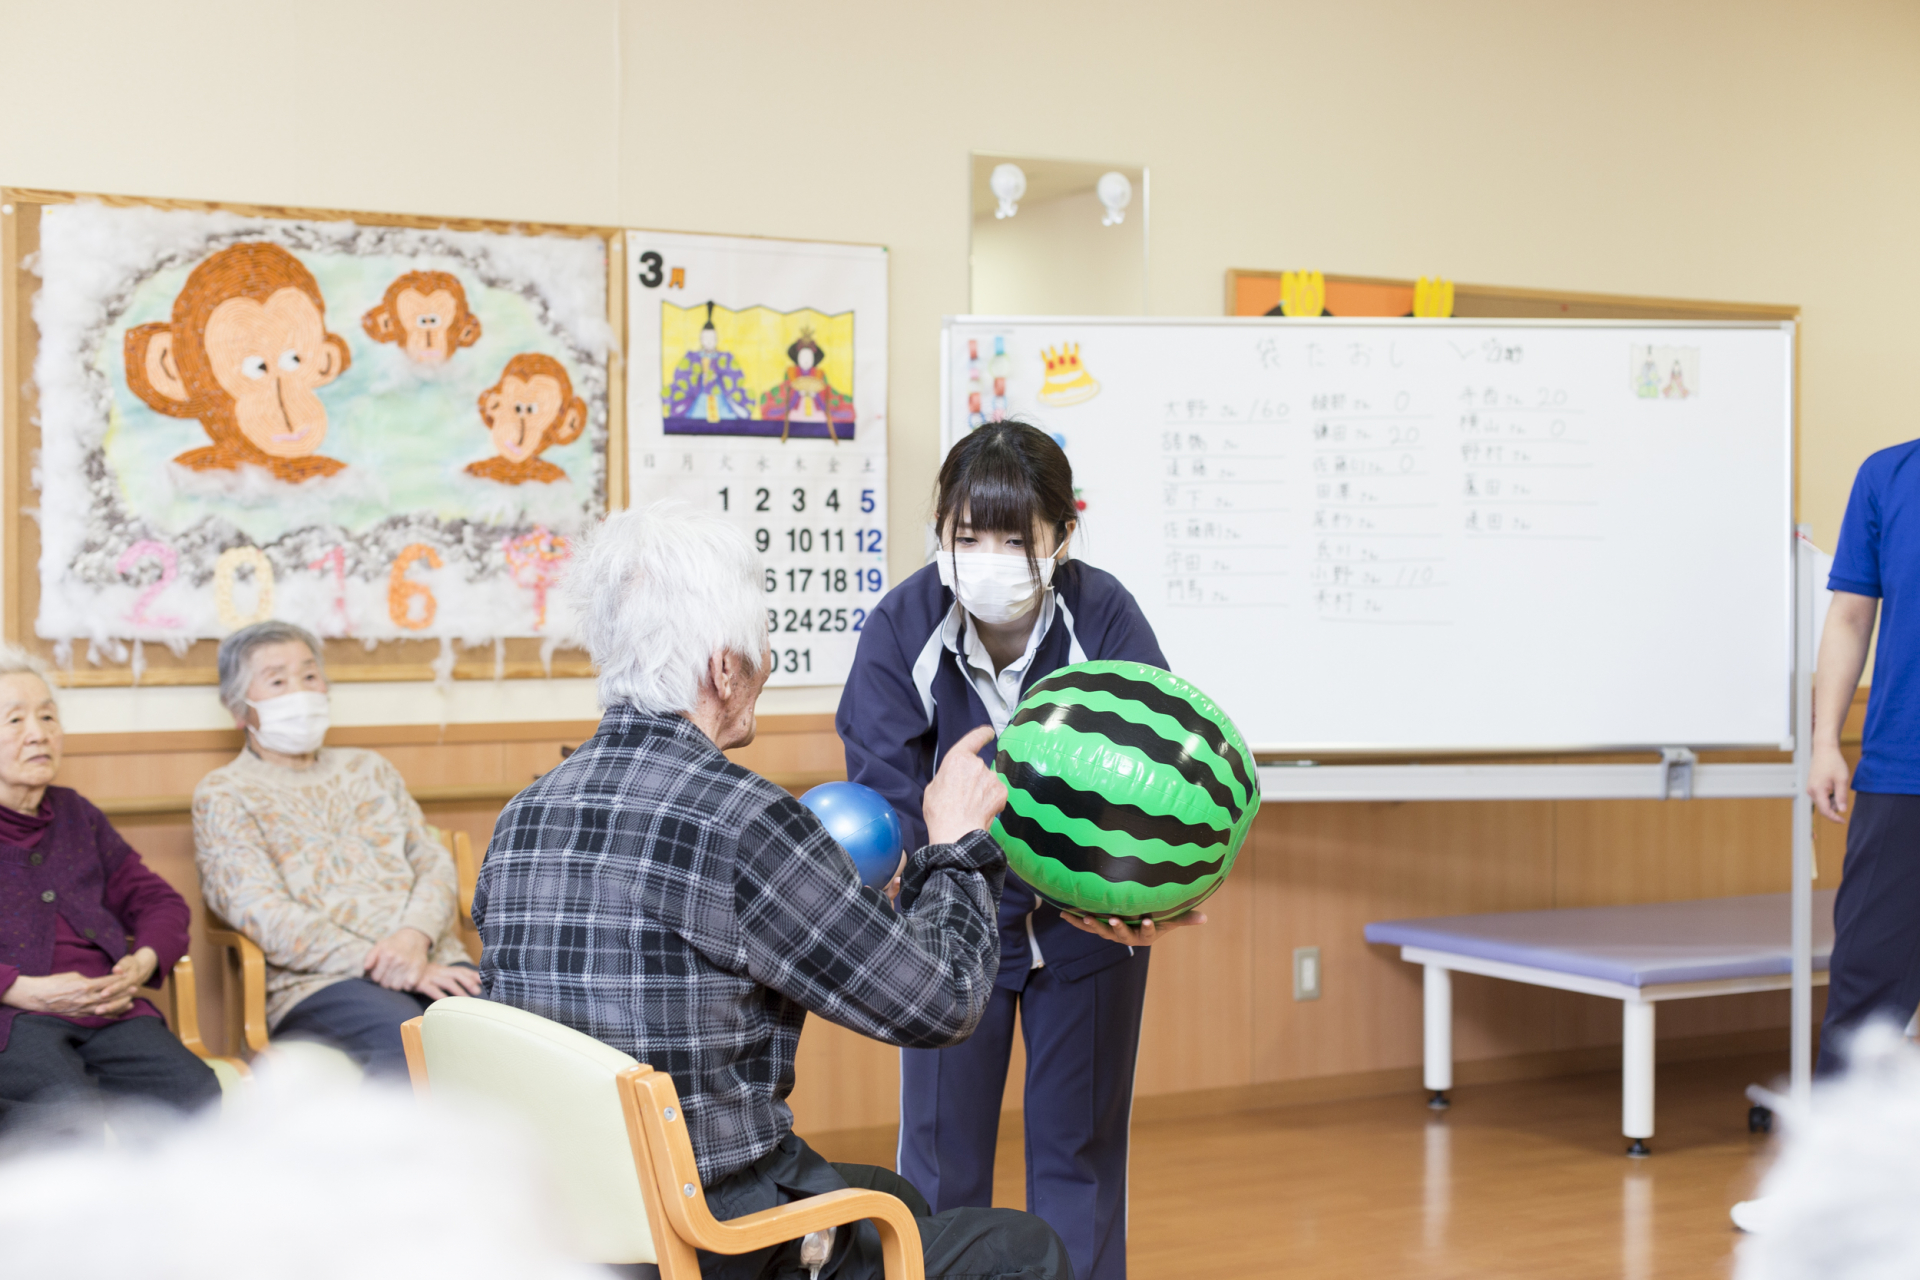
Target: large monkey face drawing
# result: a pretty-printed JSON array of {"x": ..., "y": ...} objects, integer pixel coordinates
[
  {"x": 532, "y": 407},
  {"x": 270, "y": 357},
  {"x": 245, "y": 353},
  {"x": 426, "y": 313}
]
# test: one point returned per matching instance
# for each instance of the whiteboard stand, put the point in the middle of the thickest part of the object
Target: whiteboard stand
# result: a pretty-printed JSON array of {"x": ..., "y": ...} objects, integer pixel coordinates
[{"x": 1676, "y": 776}]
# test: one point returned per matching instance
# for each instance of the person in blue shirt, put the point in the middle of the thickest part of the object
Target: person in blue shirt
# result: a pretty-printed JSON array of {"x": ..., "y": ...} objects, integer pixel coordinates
[
  {"x": 954, "y": 647},
  {"x": 1875, "y": 969}
]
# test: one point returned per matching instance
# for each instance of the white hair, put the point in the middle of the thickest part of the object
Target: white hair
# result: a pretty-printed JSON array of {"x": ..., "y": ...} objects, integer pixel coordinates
[
  {"x": 234, "y": 660},
  {"x": 1843, "y": 1199},
  {"x": 658, "y": 592},
  {"x": 15, "y": 661}
]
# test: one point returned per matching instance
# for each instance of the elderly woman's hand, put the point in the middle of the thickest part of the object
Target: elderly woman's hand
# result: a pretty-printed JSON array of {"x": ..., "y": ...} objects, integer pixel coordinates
[
  {"x": 130, "y": 973},
  {"x": 398, "y": 960},
  {"x": 443, "y": 980},
  {"x": 64, "y": 993}
]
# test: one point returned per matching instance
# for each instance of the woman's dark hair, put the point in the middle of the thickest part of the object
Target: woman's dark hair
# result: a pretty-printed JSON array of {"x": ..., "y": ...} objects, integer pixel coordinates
[
  {"x": 1006, "y": 477},
  {"x": 805, "y": 342}
]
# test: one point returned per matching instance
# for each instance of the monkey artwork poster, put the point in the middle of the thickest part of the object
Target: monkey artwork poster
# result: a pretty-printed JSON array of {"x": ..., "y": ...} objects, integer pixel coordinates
[
  {"x": 759, "y": 393},
  {"x": 378, "y": 432}
]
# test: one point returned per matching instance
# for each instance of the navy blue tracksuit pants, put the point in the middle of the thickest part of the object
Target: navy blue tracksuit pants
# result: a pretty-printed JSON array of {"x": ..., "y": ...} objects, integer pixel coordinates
[
  {"x": 1081, "y": 1038},
  {"x": 1875, "y": 969}
]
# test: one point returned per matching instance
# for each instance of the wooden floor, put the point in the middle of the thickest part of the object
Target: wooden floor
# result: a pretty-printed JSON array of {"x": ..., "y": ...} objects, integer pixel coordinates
[{"x": 1516, "y": 1180}]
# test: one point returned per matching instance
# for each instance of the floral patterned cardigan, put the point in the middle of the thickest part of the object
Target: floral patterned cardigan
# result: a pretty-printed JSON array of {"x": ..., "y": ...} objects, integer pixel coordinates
[{"x": 317, "y": 865}]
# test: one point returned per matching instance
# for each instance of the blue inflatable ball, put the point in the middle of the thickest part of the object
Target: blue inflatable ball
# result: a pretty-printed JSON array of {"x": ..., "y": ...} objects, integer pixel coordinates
[{"x": 865, "y": 825}]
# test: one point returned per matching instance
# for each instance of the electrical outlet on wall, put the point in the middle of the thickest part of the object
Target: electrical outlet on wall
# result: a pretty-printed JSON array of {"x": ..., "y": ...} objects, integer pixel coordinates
[{"x": 1306, "y": 973}]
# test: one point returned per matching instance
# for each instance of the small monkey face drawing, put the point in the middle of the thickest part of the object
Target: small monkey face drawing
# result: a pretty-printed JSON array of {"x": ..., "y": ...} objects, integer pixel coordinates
[
  {"x": 426, "y": 323},
  {"x": 425, "y": 313},
  {"x": 519, "y": 413},
  {"x": 271, "y": 357}
]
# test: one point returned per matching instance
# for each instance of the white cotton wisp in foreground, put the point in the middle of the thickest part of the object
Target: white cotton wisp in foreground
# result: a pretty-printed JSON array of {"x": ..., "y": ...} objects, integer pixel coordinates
[
  {"x": 1843, "y": 1201},
  {"x": 305, "y": 1176}
]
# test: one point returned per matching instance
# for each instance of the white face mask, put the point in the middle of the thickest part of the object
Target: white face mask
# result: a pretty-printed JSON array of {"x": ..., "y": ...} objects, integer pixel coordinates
[
  {"x": 994, "y": 586},
  {"x": 293, "y": 724}
]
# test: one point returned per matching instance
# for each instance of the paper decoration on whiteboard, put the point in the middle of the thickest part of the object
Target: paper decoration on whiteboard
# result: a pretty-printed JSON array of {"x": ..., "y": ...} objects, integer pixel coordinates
[
  {"x": 1067, "y": 381},
  {"x": 1665, "y": 373},
  {"x": 342, "y": 425},
  {"x": 759, "y": 393}
]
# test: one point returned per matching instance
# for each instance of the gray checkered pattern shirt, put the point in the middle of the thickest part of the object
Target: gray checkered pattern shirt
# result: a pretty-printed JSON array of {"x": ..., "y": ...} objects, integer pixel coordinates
[{"x": 660, "y": 898}]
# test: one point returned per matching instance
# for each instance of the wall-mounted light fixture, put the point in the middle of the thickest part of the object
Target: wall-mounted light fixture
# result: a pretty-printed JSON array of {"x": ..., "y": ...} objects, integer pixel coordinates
[
  {"x": 1116, "y": 193},
  {"x": 1009, "y": 183}
]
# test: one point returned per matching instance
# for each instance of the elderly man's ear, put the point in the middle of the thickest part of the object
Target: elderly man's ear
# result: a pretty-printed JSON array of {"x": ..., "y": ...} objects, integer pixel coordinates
[{"x": 724, "y": 673}]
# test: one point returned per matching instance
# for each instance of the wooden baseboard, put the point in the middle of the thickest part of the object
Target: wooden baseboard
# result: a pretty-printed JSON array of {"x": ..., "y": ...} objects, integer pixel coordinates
[{"x": 1202, "y": 1104}]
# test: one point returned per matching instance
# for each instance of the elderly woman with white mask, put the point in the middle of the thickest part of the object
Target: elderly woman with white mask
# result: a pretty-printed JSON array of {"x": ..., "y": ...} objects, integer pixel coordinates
[{"x": 321, "y": 857}]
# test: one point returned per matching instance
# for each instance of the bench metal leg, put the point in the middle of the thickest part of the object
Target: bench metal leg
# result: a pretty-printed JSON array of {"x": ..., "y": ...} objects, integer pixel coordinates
[
  {"x": 1636, "y": 1074},
  {"x": 1438, "y": 1025}
]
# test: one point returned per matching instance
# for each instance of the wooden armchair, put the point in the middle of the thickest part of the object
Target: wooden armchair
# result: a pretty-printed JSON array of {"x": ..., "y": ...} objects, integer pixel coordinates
[
  {"x": 617, "y": 1144},
  {"x": 180, "y": 1002},
  {"x": 246, "y": 964},
  {"x": 467, "y": 868}
]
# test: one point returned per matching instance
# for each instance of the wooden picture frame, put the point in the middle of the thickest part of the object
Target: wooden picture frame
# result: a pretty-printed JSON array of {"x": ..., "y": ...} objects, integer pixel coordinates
[{"x": 391, "y": 660}]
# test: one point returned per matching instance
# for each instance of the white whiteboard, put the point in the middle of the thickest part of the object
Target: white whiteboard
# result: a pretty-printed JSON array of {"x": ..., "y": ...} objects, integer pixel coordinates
[{"x": 1421, "y": 535}]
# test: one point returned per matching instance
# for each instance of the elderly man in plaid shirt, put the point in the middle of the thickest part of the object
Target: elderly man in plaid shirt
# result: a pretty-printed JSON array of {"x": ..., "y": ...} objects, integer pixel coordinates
[{"x": 658, "y": 897}]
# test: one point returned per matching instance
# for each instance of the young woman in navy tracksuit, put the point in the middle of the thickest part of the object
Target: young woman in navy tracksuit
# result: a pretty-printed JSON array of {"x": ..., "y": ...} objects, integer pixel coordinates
[{"x": 953, "y": 647}]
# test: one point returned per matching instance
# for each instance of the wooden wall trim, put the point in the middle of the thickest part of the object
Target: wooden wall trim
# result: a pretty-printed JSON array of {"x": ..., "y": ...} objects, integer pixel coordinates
[{"x": 391, "y": 735}]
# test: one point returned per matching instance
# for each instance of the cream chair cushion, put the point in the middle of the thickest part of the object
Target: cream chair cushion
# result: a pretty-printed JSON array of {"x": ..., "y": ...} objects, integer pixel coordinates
[
  {"x": 563, "y": 1084},
  {"x": 231, "y": 1081}
]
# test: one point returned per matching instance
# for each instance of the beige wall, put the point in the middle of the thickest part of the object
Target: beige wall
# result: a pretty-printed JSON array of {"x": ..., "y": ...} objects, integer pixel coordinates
[{"x": 1744, "y": 150}]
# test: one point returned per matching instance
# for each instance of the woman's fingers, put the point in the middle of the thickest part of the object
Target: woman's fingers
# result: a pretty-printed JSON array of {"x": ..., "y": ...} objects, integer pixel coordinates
[{"x": 1145, "y": 934}]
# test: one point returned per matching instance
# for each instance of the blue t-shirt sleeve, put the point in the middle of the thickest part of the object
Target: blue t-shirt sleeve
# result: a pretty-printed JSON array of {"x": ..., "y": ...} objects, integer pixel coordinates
[{"x": 1856, "y": 561}]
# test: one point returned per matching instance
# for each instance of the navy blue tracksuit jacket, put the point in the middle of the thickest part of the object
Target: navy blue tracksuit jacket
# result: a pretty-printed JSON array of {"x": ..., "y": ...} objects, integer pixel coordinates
[{"x": 906, "y": 702}]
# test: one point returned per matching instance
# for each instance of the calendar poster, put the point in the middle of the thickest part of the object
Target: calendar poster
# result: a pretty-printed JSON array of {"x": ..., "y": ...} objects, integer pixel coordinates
[{"x": 758, "y": 392}]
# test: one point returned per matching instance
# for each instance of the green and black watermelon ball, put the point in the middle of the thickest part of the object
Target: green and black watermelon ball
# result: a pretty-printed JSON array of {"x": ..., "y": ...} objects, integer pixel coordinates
[{"x": 1129, "y": 791}]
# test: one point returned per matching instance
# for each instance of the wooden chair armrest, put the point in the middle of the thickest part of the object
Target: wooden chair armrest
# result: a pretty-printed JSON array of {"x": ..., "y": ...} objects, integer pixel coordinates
[
  {"x": 416, "y": 1049},
  {"x": 671, "y": 1186},
  {"x": 791, "y": 1221},
  {"x": 466, "y": 870},
  {"x": 246, "y": 957},
  {"x": 184, "y": 1014}
]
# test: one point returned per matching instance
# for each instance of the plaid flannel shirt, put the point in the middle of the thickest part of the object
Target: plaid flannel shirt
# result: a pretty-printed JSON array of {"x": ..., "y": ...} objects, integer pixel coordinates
[{"x": 658, "y": 897}]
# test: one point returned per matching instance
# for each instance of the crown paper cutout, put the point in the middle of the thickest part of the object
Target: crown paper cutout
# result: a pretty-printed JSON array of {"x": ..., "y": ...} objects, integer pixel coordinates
[{"x": 1067, "y": 381}]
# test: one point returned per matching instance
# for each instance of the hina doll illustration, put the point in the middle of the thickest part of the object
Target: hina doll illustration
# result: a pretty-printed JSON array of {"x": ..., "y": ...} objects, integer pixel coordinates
[
  {"x": 707, "y": 386},
  {"x": 1647, "y": 384},
  {"x": 803, "y": 394},
  {"x": 1676, "y": 388}
]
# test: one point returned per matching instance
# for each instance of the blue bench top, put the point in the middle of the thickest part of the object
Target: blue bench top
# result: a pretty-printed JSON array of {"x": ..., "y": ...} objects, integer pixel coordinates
[{"x": 1643, "y": 945}]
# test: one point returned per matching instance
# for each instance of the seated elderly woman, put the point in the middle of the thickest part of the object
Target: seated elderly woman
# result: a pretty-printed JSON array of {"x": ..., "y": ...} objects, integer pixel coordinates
[
  {"x": 83, "y": 926},
  {"x": 321, "y": 857},
  {"x": 653, "y": 894}
]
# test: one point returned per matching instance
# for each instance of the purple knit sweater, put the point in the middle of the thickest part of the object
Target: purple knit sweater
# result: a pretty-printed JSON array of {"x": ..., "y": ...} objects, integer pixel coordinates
[{"x": 83, "y": 872}]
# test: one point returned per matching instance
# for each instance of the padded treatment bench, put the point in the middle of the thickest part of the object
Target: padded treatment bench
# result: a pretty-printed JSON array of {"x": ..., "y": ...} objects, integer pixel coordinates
[{"x": 1638, "y": 955}]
